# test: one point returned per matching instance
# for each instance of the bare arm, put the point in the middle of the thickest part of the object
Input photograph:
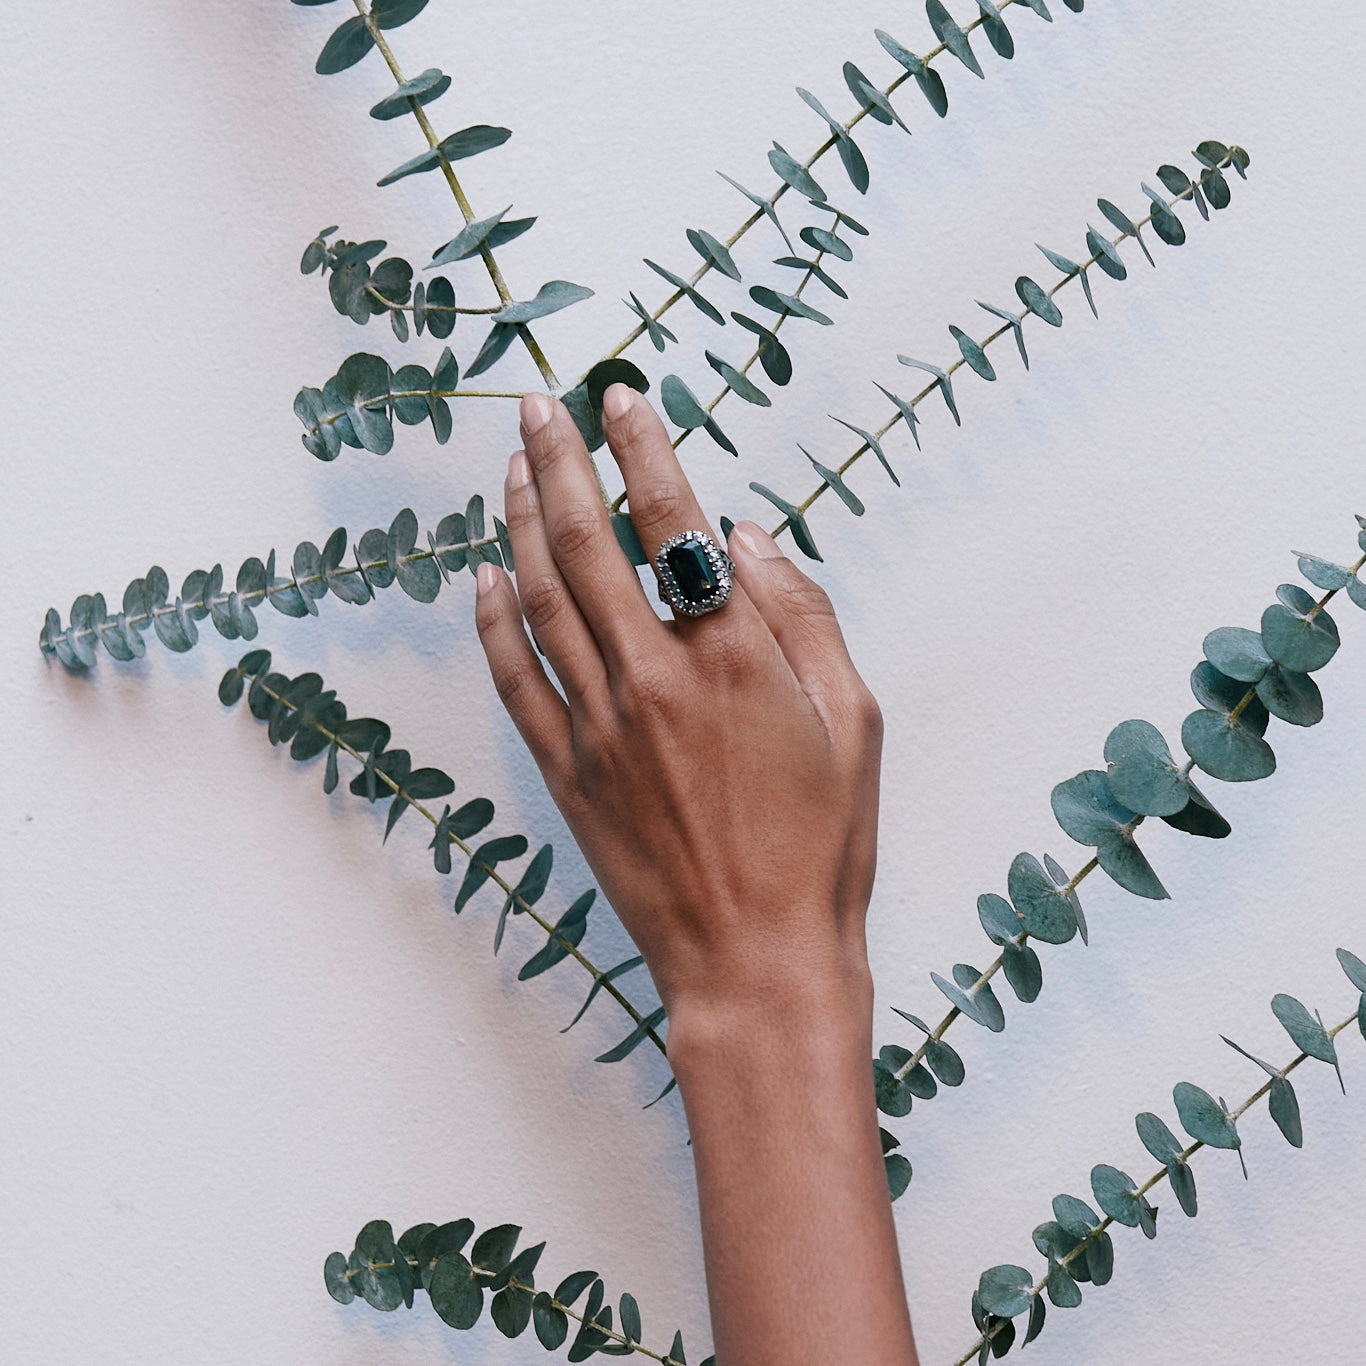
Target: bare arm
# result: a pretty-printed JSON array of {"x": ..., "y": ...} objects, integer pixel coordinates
[{"x": 720, "y": 773}]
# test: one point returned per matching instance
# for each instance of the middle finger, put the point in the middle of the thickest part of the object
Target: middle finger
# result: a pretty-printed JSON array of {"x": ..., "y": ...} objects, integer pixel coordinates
[{"x": 579, "y": 531}]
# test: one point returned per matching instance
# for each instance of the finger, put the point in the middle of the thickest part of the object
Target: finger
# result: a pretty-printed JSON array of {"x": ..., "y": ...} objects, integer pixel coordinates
[
  {"x": 537, "y": 710},
  {"x": 659, "y": 497},
  {"x": 578, "y": 530},
  {"x": 546, "y": 602},
  {"x": 798, "y": 612}
]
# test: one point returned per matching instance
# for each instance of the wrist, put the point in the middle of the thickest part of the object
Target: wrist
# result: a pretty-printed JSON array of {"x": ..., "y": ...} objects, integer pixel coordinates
[{"x": 812, "y": 1003}]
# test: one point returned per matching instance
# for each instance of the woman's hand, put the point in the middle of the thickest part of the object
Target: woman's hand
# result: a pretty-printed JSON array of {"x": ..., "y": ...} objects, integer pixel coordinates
[
  {"x": 721, "y": 776},
  {"x": 720, "y": 773}
]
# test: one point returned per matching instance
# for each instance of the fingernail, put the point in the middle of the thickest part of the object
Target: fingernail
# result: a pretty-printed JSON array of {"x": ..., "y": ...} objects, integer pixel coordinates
[
  {"x": 754, "y": 540},
  {"x": 616, "y": 402},
  {"x": 519, "y": 471},
  {"x": 535, "y": 413},
  {"x": 485, "y": 577}
]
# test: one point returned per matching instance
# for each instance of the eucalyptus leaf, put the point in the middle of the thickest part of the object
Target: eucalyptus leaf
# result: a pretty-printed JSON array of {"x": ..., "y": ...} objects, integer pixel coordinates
[
  {"x": 1308, "y": 1034},
  {"x": 425, "y": 87},
  {"x": 1285, "y": 1111},
  {"x": 972, "y": 996},
  {"x": 550, "y": 298},
  {"x": 1204, "y": 1118}
]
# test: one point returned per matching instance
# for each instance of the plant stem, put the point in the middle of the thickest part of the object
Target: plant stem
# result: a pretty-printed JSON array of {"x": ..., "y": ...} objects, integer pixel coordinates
[
  {"x": 830, "y": 142},
  {"x": 1156, "y": 1179},
  {"x": 430, "y": 308},
  {"x": 938, "y": 1032},
  {"x": 1001, "y": 331},
  {"x": 494, "y": 875},
  {"x": 490, "y": 263},
  {"x": 806, "y": 279}
]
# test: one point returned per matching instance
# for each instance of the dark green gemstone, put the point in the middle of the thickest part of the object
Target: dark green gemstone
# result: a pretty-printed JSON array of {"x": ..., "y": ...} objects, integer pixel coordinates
[{"x": 692, "y": 571}]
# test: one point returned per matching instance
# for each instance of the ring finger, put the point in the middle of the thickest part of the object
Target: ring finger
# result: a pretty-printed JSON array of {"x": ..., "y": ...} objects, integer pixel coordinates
[{"x": 663, "y": 505}]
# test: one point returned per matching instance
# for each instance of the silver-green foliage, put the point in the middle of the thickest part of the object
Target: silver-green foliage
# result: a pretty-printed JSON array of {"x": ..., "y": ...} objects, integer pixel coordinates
[
  {"x": 1076, "y": 1243},
  {"x": 387, "y": 1272},
  {"x": 313, "y": 721},
  {"x": 381, "y": 558},
  {"x": 1245, "y": 678}
]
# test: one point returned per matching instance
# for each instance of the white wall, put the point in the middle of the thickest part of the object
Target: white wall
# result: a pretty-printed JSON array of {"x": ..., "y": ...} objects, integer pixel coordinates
[{"x": 236, "y": 1028}]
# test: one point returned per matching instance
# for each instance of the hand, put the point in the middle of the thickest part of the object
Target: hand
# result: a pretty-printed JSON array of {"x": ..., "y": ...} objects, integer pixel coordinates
[
  {"x": 721, "y": 776},
  {"x": 720, "y": 773}
]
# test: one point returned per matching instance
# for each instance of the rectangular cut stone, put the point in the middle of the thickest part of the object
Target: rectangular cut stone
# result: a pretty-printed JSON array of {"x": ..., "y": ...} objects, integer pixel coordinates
[{"x": 692, "y": 571}]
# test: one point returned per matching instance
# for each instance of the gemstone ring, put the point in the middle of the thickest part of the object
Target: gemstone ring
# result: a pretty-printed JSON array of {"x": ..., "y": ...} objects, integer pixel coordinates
[{"x": 695, "y": 574}]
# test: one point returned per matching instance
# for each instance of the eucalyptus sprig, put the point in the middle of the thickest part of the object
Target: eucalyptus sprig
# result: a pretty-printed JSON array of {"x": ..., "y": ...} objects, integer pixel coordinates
[
  {"x": 1210, "y": 187},
  {"x": 1076, "y": 1242},
  {"x": 311, "y": 719},
  {"x": 360, "y": 292},
  {"x": 387, "y": 1272},
  {"x": 716, "y": 255},
  {"x": 1102, "y": 808},
  {"x": 350, "y": 43},
  {"x": 381, "y": 558}
]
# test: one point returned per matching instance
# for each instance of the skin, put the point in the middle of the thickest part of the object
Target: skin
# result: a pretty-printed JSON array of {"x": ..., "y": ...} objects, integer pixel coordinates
[{"x": 720, "y": 774}]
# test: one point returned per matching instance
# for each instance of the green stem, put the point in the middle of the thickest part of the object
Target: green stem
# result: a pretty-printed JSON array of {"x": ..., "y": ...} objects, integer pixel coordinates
[
  {"x": 429, "y": 308},
  {"x": 255, "y": 598},
  {"x": 806, "y": 279},
  {"x": 490, "y": 263},
  {"x": 937, "y": 1033},
  {"x": 494, "y": 875},
  {"x": 1156, "y": 1179},
  {"x": 1001, "y": 331},
  {"x": 826, "y": 146}
]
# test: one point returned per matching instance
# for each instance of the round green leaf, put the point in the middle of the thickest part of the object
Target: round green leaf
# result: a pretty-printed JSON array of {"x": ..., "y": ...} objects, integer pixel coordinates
[
  {"x": 1228, "y": 750},
  {"x": 999, "y": 918},
  {"x": 347, "y": 45},
  {"x": 1046, "y": 912},
  {"x": 1294, "y": 697},
  {"x": 336, "y": 1280},
  {"x": 1236, "y": 652},
  {"x": 1297, "y": 639},
  {"x": 1156, "y": 1137},
  {"x": 1308, "y": 1034},
  {"x": 1036, "y": 299},
  {"x": 898, "y": 1170},
  {"x": 1203, "y": 1117},
  {"x": 681, "y": 404},
  {"x": 1142, "y": 775},
  {"x": 1006, "y": 1290},
  {"x": 455, "y": 1293},
  {"x": 1116, "y": 1194},
  {"x": 552, "y": 1324}
]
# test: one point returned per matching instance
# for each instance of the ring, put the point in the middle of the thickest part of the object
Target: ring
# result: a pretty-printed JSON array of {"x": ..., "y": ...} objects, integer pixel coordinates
[{"x": 695, "y": 574}]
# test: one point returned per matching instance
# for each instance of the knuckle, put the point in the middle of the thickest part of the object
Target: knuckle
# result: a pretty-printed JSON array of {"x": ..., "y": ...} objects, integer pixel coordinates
[
  {"x": 520, "y": 508},
  {"x": 729, "y": 654},
  {"x": 543, "y": 599},
  {"x": 573, "y": 533},
  {"x": 512, "y": 682},
  {"x": 658, "y": 507},
  {"x": 869, "y": 715},
  {"x": 646, "y": 693},
  {"x": 804, "y": 597}
]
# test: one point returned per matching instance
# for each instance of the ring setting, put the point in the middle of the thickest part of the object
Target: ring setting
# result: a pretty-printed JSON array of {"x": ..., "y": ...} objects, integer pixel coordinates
[{"x": 695, "y": 574}]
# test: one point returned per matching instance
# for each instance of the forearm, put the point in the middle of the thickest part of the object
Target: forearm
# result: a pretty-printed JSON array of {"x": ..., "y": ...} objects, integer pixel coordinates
[{"x": 797, "y": 1232}]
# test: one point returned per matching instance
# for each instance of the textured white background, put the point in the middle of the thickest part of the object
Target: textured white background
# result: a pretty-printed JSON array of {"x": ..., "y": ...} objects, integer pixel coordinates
[{"x": 235, "y": 1028}]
